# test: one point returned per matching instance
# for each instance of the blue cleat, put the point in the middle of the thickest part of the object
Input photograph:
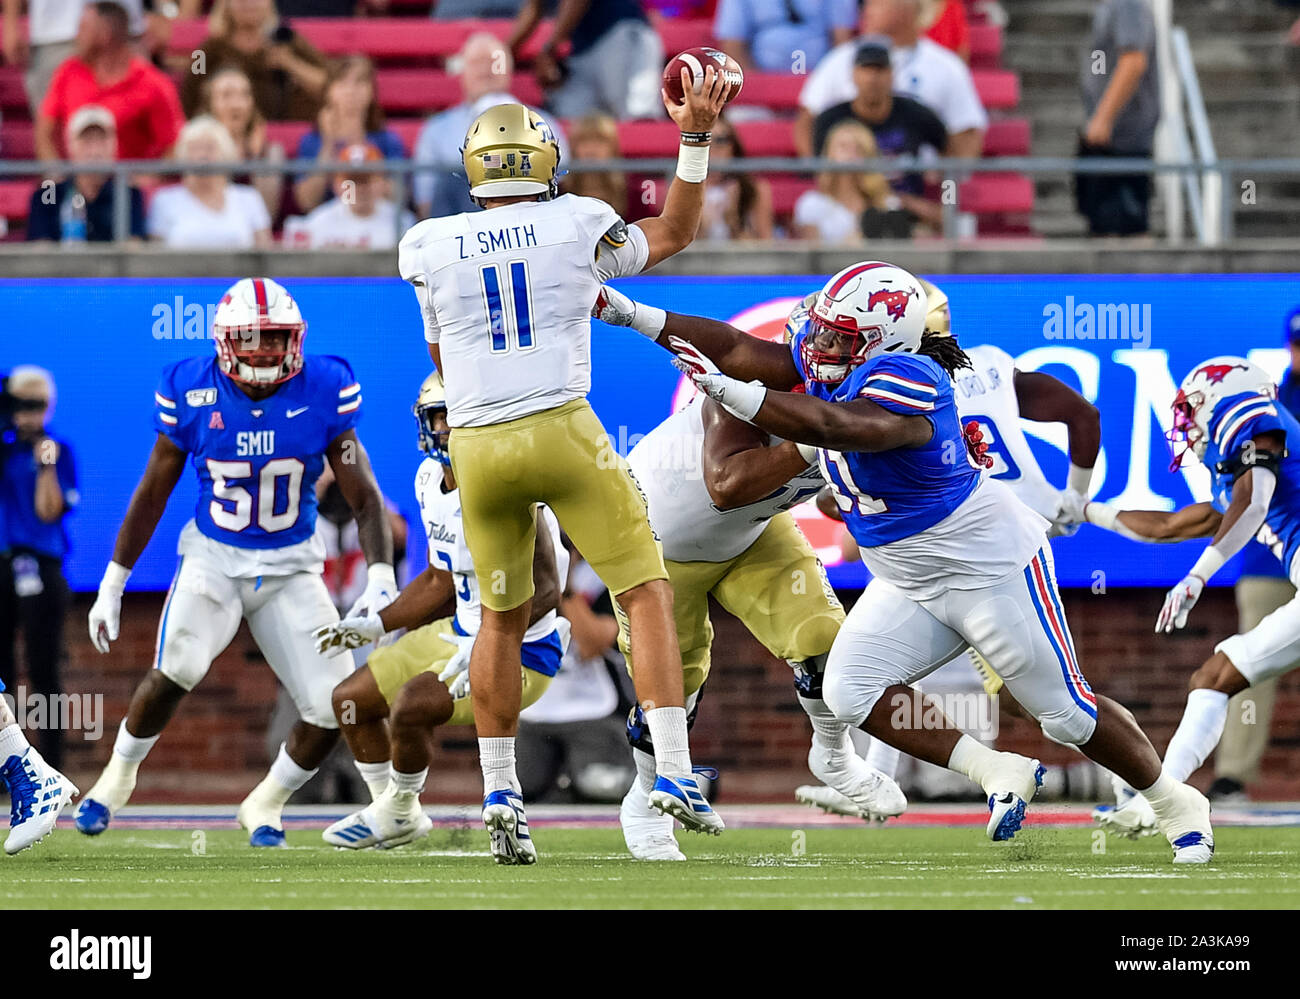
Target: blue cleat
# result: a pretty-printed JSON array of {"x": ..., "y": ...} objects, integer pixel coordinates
[
  {"x": 503, "y": 815},
  {"x": 681, "y": 798},
  {"x": 92, "y": 818},
  {"x": 267, "y": 836},
  {"x": 37, "y": 794}
]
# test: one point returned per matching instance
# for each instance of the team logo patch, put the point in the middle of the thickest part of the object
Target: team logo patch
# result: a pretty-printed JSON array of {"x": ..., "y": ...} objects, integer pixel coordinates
[
  {"x": 201, "y": 397},
  {"x": 1215, "y": 373},
  {"x": 215, "y": 422},
  {"x": 895, "y": 302}
]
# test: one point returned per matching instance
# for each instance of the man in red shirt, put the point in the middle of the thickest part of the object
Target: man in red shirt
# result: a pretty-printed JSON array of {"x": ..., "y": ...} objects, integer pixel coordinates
[{"x": 106, "y": 72}]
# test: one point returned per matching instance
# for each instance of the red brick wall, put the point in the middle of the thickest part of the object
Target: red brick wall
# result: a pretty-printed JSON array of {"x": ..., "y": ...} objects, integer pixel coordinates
[{"x": 750, "y": 724}]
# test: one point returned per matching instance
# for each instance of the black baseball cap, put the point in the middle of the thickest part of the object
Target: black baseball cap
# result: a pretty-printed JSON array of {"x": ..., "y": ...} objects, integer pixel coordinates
[{"x": 872, "y": 51}]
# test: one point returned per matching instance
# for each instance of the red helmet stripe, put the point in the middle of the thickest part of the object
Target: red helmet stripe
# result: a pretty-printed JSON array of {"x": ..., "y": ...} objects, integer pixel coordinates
[
  {"x": 845, "y": 278},
  {"x": 259, "y": 289}
]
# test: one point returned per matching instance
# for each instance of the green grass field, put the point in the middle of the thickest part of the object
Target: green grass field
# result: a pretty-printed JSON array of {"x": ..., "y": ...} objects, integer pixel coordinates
[{"x": 847, "y": 867}]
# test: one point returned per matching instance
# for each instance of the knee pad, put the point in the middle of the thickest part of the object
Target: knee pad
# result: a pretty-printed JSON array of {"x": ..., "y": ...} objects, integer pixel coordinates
[
  {"x": 1071, "y": 727},
  {"x": 319, "y": 707},
  {"x": 638, "y": 729},
  {"x": 851, "y": 697},
  {"x": 183, "y": 659},
  {"x": 808, "y": 674}
]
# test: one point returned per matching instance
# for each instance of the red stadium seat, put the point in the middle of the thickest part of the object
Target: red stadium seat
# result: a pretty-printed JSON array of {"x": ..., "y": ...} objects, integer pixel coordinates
[
  {"x": 997, "y": 193},
  {"x": 1007, "y": 137},
  {"x": 12, "y": 95},
  {"x": 999, "y": 89},
  {"x": 15, "y": 198},
  {"x": 767, "y": 138},
  {"x": 985, "y": 46},
  {"x": 426, "y": 90},
  {"x": 18, "y": 140},
  {"x": 646, "y": 139},
  {"x": 786, "y": 189}
]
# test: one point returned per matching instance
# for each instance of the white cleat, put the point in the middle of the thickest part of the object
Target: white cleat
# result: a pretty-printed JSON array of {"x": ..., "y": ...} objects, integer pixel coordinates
[
  {"x": 1132, "y": 819},
  {"x": 827, "y": 799},
  {"x": 37, "y": 793},
  {"x": 1188, "y": 829},
  {"x": 503, "y": 815},
  {"x": 262, "y": 820},
  {"x": 875, "y": 796},
  {"x": 647, "y": 833},
  {"x": 384, "y": 824},
  {"x": 1010, "y": 788}
]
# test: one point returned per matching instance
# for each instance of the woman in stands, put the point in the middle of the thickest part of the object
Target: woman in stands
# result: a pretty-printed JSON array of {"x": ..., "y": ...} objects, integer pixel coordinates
[
  {"x": 595, "y": 137},
  {"x": 228, "y": 97},
  {"x": 736, "y": 206},
  {"x": 286, "y": 70},
  {"x": 833, "y": 211},
  {"x": 351, "y": 116},
  {"x": 207, "y": 210}
]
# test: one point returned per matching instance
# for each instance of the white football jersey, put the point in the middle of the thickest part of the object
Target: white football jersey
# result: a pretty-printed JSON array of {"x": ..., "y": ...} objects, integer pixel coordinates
[
  {"x": 440, "y": 512},
  {"x": 668, "y": 466},
  {"x": 988, "y": 395},
  {"x": 507, "y": 293}
]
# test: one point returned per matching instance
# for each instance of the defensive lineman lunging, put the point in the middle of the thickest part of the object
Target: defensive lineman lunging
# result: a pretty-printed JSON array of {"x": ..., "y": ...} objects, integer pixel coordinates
[{"x": 259, "y": 421}]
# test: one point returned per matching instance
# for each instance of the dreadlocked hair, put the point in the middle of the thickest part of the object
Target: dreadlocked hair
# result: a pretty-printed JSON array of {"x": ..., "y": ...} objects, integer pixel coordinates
[{"x": 943, "y": 349}]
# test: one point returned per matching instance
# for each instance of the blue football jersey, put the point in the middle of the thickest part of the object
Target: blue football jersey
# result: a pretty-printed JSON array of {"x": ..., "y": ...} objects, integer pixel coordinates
[
  {"x": 257, "y": 462},
  {"x": 888, "y": 495},
  {"x": 1233, "y": 423}
]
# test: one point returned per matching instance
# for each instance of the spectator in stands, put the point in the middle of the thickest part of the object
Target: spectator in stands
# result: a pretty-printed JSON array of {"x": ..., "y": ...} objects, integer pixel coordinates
[
  {"x": 38, "y": 489},
  {"x": 286, "y": 70},
  {"x": 572, "y": 744},
  {"x": 333, "y": 8},
  {"x": 52, "y": 27},
  {"x": 594, "y": 137},
  {"x": 80, "y": 208},
  {"x": 1121, "y": 97},
  {"x": 351, "y": 116},
  {"x": 783, "y": 36},
  {"x": 736, "y": 206},
  {"x": 228, "y": 97},
  {"x": 206, "y": 210},
  {"x": 832, "y": 212},
  {"x": 486, "y": 68},
  {"x": 457, "y": 10},
  {"x": 359, "y": 216},
  {"x": 944, "y": 22},
  {"x": 923, "y": 70},
  {"x": 900, "y": 125},
  {"x": 105, "y": 71},
  {"x": 615, "y": 61},
  {"x": 1262, "y": 588}
]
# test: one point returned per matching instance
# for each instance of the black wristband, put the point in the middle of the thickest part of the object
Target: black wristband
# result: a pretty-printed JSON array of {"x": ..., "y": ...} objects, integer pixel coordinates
[{"x": 696, "y": 138}]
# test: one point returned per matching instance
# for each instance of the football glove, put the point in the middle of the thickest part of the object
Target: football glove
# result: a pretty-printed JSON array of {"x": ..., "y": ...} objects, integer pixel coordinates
[{"x": 1179, "y": 603}]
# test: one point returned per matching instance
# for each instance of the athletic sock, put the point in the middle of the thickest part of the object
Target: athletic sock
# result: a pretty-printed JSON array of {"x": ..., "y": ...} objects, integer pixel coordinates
[
  {"x": 883, "y": 757},
  {"x": 645, "y": 769},
  {"x": 132, "y": 749},
  {"x": 376, "y": 776},
  {"x": 829, "y": 732},
  {"x": 409, "y": 785},
  {"x": 668, "y": 736},
  {"x": 972, "y": 759},
  {"x": 1198, "y": 733},
  {"x": 497, "y": 758},
  {"x": 12, "y": 742}
]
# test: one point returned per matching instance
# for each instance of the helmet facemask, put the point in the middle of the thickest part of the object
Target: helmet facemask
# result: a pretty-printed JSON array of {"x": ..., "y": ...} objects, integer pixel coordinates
[
  {"x": 833, "y": 349},
  {"x": 1186, "y": 434},
  {"x": 434, "y": 440},
  {"x": 265, "y": 354}
]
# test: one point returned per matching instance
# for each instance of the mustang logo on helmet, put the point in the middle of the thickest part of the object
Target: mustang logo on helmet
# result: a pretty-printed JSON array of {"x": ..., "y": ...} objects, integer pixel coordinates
[
  {"x": 861, "y": 312},
  {"x": 1215, "y": 373},
  {"x": 895, "y": 302}
]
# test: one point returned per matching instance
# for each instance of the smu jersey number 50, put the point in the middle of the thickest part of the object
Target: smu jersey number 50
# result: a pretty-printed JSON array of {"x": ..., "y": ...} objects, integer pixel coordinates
[{"x": 257, "y": 461}]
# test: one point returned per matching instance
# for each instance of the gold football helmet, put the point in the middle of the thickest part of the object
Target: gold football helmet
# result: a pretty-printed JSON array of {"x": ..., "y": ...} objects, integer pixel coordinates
[
  {"x": 510, "y": 150},
  {"x": 431, "y": 401},
  {"x": 938, "y": 320}
]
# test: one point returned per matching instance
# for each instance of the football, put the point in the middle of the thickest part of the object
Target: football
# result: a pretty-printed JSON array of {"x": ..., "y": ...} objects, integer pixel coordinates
[{"x": 697, "y": 60}]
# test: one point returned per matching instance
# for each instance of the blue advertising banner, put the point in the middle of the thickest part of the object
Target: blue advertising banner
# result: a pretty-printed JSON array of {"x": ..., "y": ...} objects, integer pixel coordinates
[{"x": 1123, "y": 341}]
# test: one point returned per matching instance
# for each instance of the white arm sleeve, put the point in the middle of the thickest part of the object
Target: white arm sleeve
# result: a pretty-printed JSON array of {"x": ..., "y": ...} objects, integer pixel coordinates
[{"x": 621, "y": 257}]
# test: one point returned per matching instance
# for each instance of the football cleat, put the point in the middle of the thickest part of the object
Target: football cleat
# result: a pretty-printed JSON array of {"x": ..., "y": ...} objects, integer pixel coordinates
[
  {"x": 262, "y": 822},
  {"x": 1132, "y": 819},
  {"x": 102, "y": 802},
  {"x": 380, "y": 825},
  {"x": 1010, "y": 789},
  {"x": 829, "y": 800},
  {"x": 503, "y": 815},
  {"x": 92, "y": 817},
  {"x": 647, "y": 833},
  {"x": 875, "y": 795},
  {"x": 37, "y": 794},
  {"x": 1188, "y": 829},
  {"x": 681, "y": 798}
]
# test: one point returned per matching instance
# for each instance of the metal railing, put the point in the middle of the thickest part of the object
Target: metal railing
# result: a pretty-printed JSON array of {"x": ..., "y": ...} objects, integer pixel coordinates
[{"x": 1199, "y": 166}]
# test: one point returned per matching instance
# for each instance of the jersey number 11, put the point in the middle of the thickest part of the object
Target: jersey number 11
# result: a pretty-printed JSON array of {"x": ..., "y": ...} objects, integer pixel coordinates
[{"x": 509, "y": 317}]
